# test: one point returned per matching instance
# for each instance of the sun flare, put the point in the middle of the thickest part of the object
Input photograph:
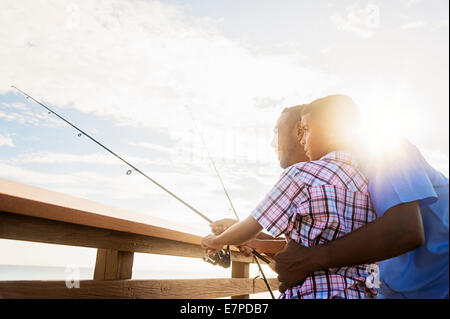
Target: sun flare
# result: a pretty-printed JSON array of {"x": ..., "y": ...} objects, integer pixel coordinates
[{"x": 382, "y": 128}]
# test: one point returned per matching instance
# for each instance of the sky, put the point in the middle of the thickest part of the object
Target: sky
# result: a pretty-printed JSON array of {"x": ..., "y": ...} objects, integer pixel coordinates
[{"x": 138, "y": 75}]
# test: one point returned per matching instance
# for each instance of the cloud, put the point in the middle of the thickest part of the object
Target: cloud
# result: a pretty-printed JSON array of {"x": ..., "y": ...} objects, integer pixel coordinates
[
  {"x": 16, "y": 106},
  {"x": 442, "y": 23},
  {"x": 414, "y": 25},
  {"x": 133, "y": 191},
  {"x": 193, "y": 179},
  {"x": 152, "y": 146},
  {"x": 412, "y": 2},
  {"x": 6, "y": 141},
  {"x": 141, "y": 62},
  {"x": 45, "y": 157},
  {"x": 85, "y": 183},
  {"x": 267, "y": 102},
  {"x": 31, "y": 118},
  {"x": 363, "y": 21}
]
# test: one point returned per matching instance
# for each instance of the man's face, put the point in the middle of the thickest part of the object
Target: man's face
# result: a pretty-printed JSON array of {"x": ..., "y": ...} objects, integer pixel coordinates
[
  {"x": 286, "y": 143},
  {"x": 314, "y": 137}
]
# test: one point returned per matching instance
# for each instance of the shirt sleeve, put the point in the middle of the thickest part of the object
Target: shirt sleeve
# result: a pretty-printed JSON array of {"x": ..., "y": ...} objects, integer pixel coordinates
[
  {"x": 273, "y": 212},
  {"x": 399, "y": 177}
]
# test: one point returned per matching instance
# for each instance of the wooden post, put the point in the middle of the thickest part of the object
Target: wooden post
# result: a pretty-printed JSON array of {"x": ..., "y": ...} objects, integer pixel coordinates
[
  {"x": 240, "y": 270},
  {"x": 113, "y": 265}
]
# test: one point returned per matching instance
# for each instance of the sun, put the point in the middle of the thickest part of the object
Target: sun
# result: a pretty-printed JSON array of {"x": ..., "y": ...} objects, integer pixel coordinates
[{"x": 382, "y": 129}]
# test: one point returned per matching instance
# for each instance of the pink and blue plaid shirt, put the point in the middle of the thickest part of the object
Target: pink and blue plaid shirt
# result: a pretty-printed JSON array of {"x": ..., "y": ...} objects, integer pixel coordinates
[{"x": 314, "y": 203}]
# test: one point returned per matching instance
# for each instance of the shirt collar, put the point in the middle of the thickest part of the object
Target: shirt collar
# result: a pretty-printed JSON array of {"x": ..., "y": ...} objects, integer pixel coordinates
[{"x": 341, "y": 156}]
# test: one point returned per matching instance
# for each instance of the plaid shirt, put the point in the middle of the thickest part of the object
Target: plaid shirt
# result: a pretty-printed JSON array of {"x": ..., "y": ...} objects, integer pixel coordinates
[{"x": 314, "y": 203}]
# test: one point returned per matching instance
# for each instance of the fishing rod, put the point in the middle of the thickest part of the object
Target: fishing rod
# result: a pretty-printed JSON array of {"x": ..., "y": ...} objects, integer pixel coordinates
[
  {"x": 212, "y": 162},
  {"x": 255, "y": 253},
  {"x": 221, "y": 258},
  {"x": 221, "y": 181},
  {"x": 133, "y": 168}
]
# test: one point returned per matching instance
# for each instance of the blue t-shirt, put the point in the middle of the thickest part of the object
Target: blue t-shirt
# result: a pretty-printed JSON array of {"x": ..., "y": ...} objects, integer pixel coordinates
[{"x": 402, "y": 176}]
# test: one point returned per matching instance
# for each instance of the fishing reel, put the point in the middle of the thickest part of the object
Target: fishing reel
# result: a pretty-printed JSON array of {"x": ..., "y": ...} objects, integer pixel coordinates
[{"x": 222, "y": 258}]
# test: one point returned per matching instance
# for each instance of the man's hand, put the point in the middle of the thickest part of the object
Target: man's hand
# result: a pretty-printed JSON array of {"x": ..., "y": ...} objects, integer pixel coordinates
[
  {"x": 219, "y": 226},
  {"x": 208, "y": 243},
  {"x": 398, "y": 231},
  {"x": 293, "y": 264}
]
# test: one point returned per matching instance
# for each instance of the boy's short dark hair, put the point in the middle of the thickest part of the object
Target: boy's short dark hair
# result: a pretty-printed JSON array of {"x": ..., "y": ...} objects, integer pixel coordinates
[{"x": 338, "y": 111}]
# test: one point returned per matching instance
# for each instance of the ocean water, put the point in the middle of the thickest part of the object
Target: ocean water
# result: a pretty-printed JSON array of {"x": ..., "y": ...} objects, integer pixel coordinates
[{"x": 28, "y": 272}]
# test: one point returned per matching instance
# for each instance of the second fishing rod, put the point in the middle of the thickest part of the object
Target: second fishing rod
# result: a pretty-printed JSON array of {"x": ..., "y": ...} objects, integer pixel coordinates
[
  {"x": 133, "y": 168},
  {"x": 256, "y": 255}
]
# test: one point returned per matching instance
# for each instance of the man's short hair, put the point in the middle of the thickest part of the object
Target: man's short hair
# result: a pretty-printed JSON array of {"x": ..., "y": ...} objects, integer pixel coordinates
[
  {"x": 294, "y": 113},
  {"x": 339, "y": 112}
]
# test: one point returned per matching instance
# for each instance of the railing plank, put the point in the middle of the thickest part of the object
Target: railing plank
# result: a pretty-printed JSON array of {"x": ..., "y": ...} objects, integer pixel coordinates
[
  {"x": 33, "y": 201},
  {"x": 149, "y": 289},
  {"x": 21, "y": 227}
]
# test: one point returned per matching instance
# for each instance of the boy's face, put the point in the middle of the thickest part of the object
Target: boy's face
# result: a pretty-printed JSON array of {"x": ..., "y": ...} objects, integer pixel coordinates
[{"x": 315, "y": 138}]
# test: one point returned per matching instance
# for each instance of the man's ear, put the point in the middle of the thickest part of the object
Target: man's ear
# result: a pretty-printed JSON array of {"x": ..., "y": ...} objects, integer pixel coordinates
[{"x": 298, "y": 131}]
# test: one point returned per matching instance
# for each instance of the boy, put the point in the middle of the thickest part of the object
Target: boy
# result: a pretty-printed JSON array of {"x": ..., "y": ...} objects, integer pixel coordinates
[{"x": 316, "y": 202}]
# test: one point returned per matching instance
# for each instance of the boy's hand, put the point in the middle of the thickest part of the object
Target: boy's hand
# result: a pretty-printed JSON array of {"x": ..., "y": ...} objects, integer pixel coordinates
[
  {"x": 219, "y": 226},
  {"x": 208, "y": 243},
  {"x": 246, "y": 250}
]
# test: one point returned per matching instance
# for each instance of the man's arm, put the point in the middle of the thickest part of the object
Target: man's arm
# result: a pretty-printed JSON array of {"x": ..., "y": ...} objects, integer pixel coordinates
[
  {"x": 398, "y": 231},
  {"x": 267, "y": 246}
]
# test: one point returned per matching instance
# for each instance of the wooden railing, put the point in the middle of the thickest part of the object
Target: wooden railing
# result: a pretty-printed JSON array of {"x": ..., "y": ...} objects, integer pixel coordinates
[{"x": 37, "y": 215}]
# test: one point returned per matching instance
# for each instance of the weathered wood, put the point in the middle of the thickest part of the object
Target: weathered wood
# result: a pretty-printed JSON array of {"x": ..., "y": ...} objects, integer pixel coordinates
[
  {"x": 240, "y": 270},
  {"x": 21, "y": 227},
  {"x": 112, "y": 264},
  {"x": 37, "y": 202},
  {"x": 33, "y": 214},
  {"x": 150, "y": 289}
]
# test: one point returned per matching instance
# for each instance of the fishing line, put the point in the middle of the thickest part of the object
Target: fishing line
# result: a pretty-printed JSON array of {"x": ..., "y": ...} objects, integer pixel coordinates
[
  {"x": 223, "y": 261},
  {"x": 212, "y": 162},
  {"x": 133, "y": 168},
  {"x": 255, "y": 253}
]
